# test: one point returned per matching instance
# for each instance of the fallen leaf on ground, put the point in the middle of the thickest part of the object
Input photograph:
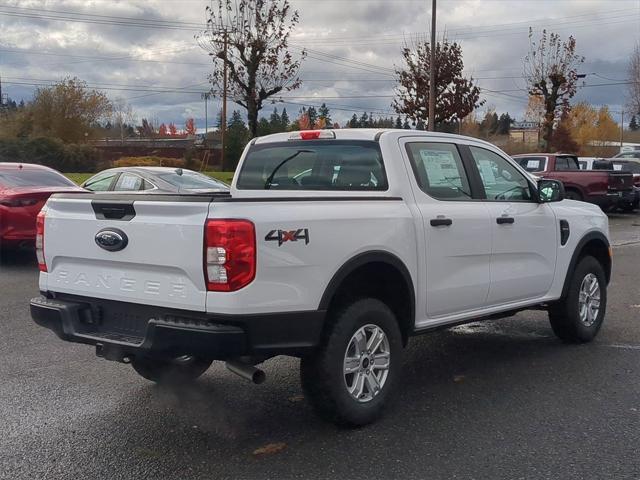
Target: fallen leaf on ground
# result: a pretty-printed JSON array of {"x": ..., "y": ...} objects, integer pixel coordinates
[
  {"x": 296, "y": 398},
  {"x": 270, "y": 449},
  {"x": 458, "y": 378}
]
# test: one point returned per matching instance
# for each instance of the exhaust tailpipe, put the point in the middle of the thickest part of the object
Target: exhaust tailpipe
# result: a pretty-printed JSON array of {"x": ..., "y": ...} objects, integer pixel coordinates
[{"x": 248, "y": 372}]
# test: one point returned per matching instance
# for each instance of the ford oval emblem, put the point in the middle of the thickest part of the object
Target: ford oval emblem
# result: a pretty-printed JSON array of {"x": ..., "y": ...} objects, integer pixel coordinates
[{"x": 111, "y": 239}]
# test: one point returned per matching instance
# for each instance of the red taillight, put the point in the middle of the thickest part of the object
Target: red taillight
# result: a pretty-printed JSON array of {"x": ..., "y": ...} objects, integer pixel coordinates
[
  {"x": 40, "y": 241},
  {"x": 229, "y": 254}
]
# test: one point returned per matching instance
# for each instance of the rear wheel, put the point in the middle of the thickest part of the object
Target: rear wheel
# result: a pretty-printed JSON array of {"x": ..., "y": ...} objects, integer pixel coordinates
[
  {"x": 573, "y": 195},
  {"x": 578, "y": 317},
  {"x": 353, "y": 373},
  {"x": 181, "y": 369}
]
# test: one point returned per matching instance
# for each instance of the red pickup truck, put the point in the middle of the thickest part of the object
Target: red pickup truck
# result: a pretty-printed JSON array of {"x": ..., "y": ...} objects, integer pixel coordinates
[{"x": 606, "y": 188}]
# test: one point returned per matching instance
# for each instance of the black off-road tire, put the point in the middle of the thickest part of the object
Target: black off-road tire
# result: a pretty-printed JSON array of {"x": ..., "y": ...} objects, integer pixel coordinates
[
  {"x": 179, "y": 370},
  {"x": 573, "y": 195},
  {"x": 564, "y": 315},
  {"x": 322, "y": 373}
]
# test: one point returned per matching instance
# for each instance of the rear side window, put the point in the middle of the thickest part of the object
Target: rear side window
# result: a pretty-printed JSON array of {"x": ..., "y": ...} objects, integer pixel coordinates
[
  {"x": 532, "y": 164},
  {"x": 314, "y": 165},
  {"x": 129, "y": 183},
  {"x": 189, "y": 180},
  {"x": 100, "y": 183},
  {"x": 439, "y": 170}
]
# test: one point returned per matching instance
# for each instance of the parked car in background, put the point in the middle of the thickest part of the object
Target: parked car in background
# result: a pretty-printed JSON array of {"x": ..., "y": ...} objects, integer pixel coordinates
[
  {"x": 24, "y": 189},
  {"x": 630, "y": 155},
  {"x": 152, "y": 180},
  {"x": 605, "y": 188}
]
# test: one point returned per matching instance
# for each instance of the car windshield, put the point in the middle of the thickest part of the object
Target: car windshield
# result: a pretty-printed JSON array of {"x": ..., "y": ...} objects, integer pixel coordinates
[
  {"x": 33, "y": 178},
  {"x": 188, "y": 180}
]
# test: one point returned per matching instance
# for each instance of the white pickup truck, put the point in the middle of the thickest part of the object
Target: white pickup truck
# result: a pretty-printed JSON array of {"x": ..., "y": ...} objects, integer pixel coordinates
[{"x": 332, "y": 246}]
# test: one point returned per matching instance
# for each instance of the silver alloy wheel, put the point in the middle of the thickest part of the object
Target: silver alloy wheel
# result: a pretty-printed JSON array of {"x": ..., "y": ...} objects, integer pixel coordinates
[
  {"x": 589, "y": 300},
  {"x": 366, "y": 363}
]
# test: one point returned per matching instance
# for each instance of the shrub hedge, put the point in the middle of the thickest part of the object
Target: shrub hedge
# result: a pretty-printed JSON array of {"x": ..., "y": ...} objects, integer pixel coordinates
[{"x": 52, "y": 153}]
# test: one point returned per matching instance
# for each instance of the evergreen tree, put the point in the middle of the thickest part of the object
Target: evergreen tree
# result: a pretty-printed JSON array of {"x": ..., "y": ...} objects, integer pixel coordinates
[
  {"x": 313, "y": 116},
  {"x": 354, "y": 123},
  {"x": 364, "y": 120},
  {"x": 264, "y": 127},
  {"x": 284, "y": 119},
  {"x": 398, "y": 123},
  {"x": 406, "y": 125},
  {"x": 275, "y": 122},
  {"x": 420, "y": 124},
  {"x": 504, "y": 124},
  {"x": 633, "y": 124},
  {"x": 324, "y": 113},
  {"x": 236, "y": 139}
]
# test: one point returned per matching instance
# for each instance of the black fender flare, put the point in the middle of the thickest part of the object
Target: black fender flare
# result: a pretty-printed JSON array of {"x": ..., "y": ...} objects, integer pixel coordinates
[
  {"x": 577, "y": 253},
  {"x": 375, "y": 256}
]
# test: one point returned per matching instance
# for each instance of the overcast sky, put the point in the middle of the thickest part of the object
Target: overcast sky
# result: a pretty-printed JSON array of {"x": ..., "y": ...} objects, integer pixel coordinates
[{"x": 353, "y": 47}]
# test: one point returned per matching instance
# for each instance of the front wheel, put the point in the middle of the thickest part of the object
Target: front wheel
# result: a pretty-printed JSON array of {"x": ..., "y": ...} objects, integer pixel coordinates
[
  {"x": 181, "y": 369},
  {"x": 577, "y": 318},
  {"x": 353, "y": 373}
]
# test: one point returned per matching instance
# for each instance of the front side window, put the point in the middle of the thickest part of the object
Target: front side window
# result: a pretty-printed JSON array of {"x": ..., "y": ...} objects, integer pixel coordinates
[
  {"x": 501, "y": 180},
  {"x": 439, "y": 170},
  {"x": 314, "y": 165}
]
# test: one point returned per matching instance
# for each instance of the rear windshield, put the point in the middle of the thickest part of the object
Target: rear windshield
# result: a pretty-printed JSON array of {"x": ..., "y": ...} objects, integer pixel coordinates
[
  {"x": 532, "y": 164},
  {"x": 191, "y": 181},
  {"x": 33, "y": 178},
  {"x": 339, "y": 165}
]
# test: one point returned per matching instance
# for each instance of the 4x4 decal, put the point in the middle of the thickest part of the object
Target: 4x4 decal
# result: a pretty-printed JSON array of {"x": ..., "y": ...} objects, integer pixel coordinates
[{"x": 282, "y": 236}]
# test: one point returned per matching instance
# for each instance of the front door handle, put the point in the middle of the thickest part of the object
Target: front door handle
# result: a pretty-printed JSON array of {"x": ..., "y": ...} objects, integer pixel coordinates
[
  {"x": 441, "y": 222},
  {"x": 505, "y": 220}
]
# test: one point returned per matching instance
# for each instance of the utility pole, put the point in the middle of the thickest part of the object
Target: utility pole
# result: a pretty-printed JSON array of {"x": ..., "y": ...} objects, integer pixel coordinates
[
  {"x": 432, "y": 71},
  {"x": 621, "y": 128},
  {"x": 223, "y": 122},
  {"x": 206, "y": 96}
]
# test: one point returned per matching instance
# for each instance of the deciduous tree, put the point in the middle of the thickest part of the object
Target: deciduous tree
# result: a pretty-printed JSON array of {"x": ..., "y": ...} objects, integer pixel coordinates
[
  {"x": 550, "y": 70},
  {"x": 456, "y": 96},
  {"x": 190, "y": 126},
  {"x": 68, "y": 110},
  {"x": 252, "y": 38}
]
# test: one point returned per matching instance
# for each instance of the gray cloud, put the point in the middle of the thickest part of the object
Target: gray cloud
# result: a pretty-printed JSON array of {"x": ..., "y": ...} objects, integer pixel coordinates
[{"x": 353, "y": 45}]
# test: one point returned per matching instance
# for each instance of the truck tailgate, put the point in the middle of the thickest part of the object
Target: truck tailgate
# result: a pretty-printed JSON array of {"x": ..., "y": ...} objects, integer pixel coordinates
[
  {"x": 619, "y": 181},
  {"x": 161, "y": 264}
]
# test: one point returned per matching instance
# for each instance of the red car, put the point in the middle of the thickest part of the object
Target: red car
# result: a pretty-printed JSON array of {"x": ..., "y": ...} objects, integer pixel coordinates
[{"x": 24, "y": 189}]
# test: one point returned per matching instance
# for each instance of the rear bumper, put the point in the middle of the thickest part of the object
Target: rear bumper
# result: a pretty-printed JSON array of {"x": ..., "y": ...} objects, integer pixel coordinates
[{"x": 119, "y": 329}]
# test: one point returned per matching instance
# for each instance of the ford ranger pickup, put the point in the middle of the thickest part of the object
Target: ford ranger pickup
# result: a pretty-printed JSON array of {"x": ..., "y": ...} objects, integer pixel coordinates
[{"x": 332, "y": 246}]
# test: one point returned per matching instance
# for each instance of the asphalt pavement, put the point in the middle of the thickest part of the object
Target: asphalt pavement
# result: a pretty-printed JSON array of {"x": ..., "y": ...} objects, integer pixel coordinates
[{"x": 492, "y": 400}]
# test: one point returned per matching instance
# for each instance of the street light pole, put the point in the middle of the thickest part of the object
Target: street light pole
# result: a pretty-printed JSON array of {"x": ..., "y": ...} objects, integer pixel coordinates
[{"x": 432, "y": 71}]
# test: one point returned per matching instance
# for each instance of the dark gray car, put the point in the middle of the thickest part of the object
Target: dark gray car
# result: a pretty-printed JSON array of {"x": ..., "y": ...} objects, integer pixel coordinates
[{"x": 153, "y": 180}]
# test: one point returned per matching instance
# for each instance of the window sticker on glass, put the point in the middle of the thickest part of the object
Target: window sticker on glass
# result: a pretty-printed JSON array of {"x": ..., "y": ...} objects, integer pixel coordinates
[
  {"x": 440, "y": 166},
  {"x": 617, "y": 167},
  {"x": 129, "y": 182},
  {"x": 486, "y": 172},
  {"x": 533, "y": 164}
]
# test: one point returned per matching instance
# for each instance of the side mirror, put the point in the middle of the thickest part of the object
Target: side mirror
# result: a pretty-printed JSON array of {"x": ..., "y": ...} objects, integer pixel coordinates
[{"x": 550, "y": 191}]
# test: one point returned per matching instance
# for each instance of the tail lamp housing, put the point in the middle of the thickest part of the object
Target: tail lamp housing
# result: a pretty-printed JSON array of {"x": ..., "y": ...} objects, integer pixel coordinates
[
  {"x": 229, "y": 254},
  {"x": 42, "y": 265}
]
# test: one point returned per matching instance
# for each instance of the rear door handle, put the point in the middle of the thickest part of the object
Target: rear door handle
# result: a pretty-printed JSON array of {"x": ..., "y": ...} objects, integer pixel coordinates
[
  {"x": 505, "y": 220},
  {"x": 441, "y": 222}
]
